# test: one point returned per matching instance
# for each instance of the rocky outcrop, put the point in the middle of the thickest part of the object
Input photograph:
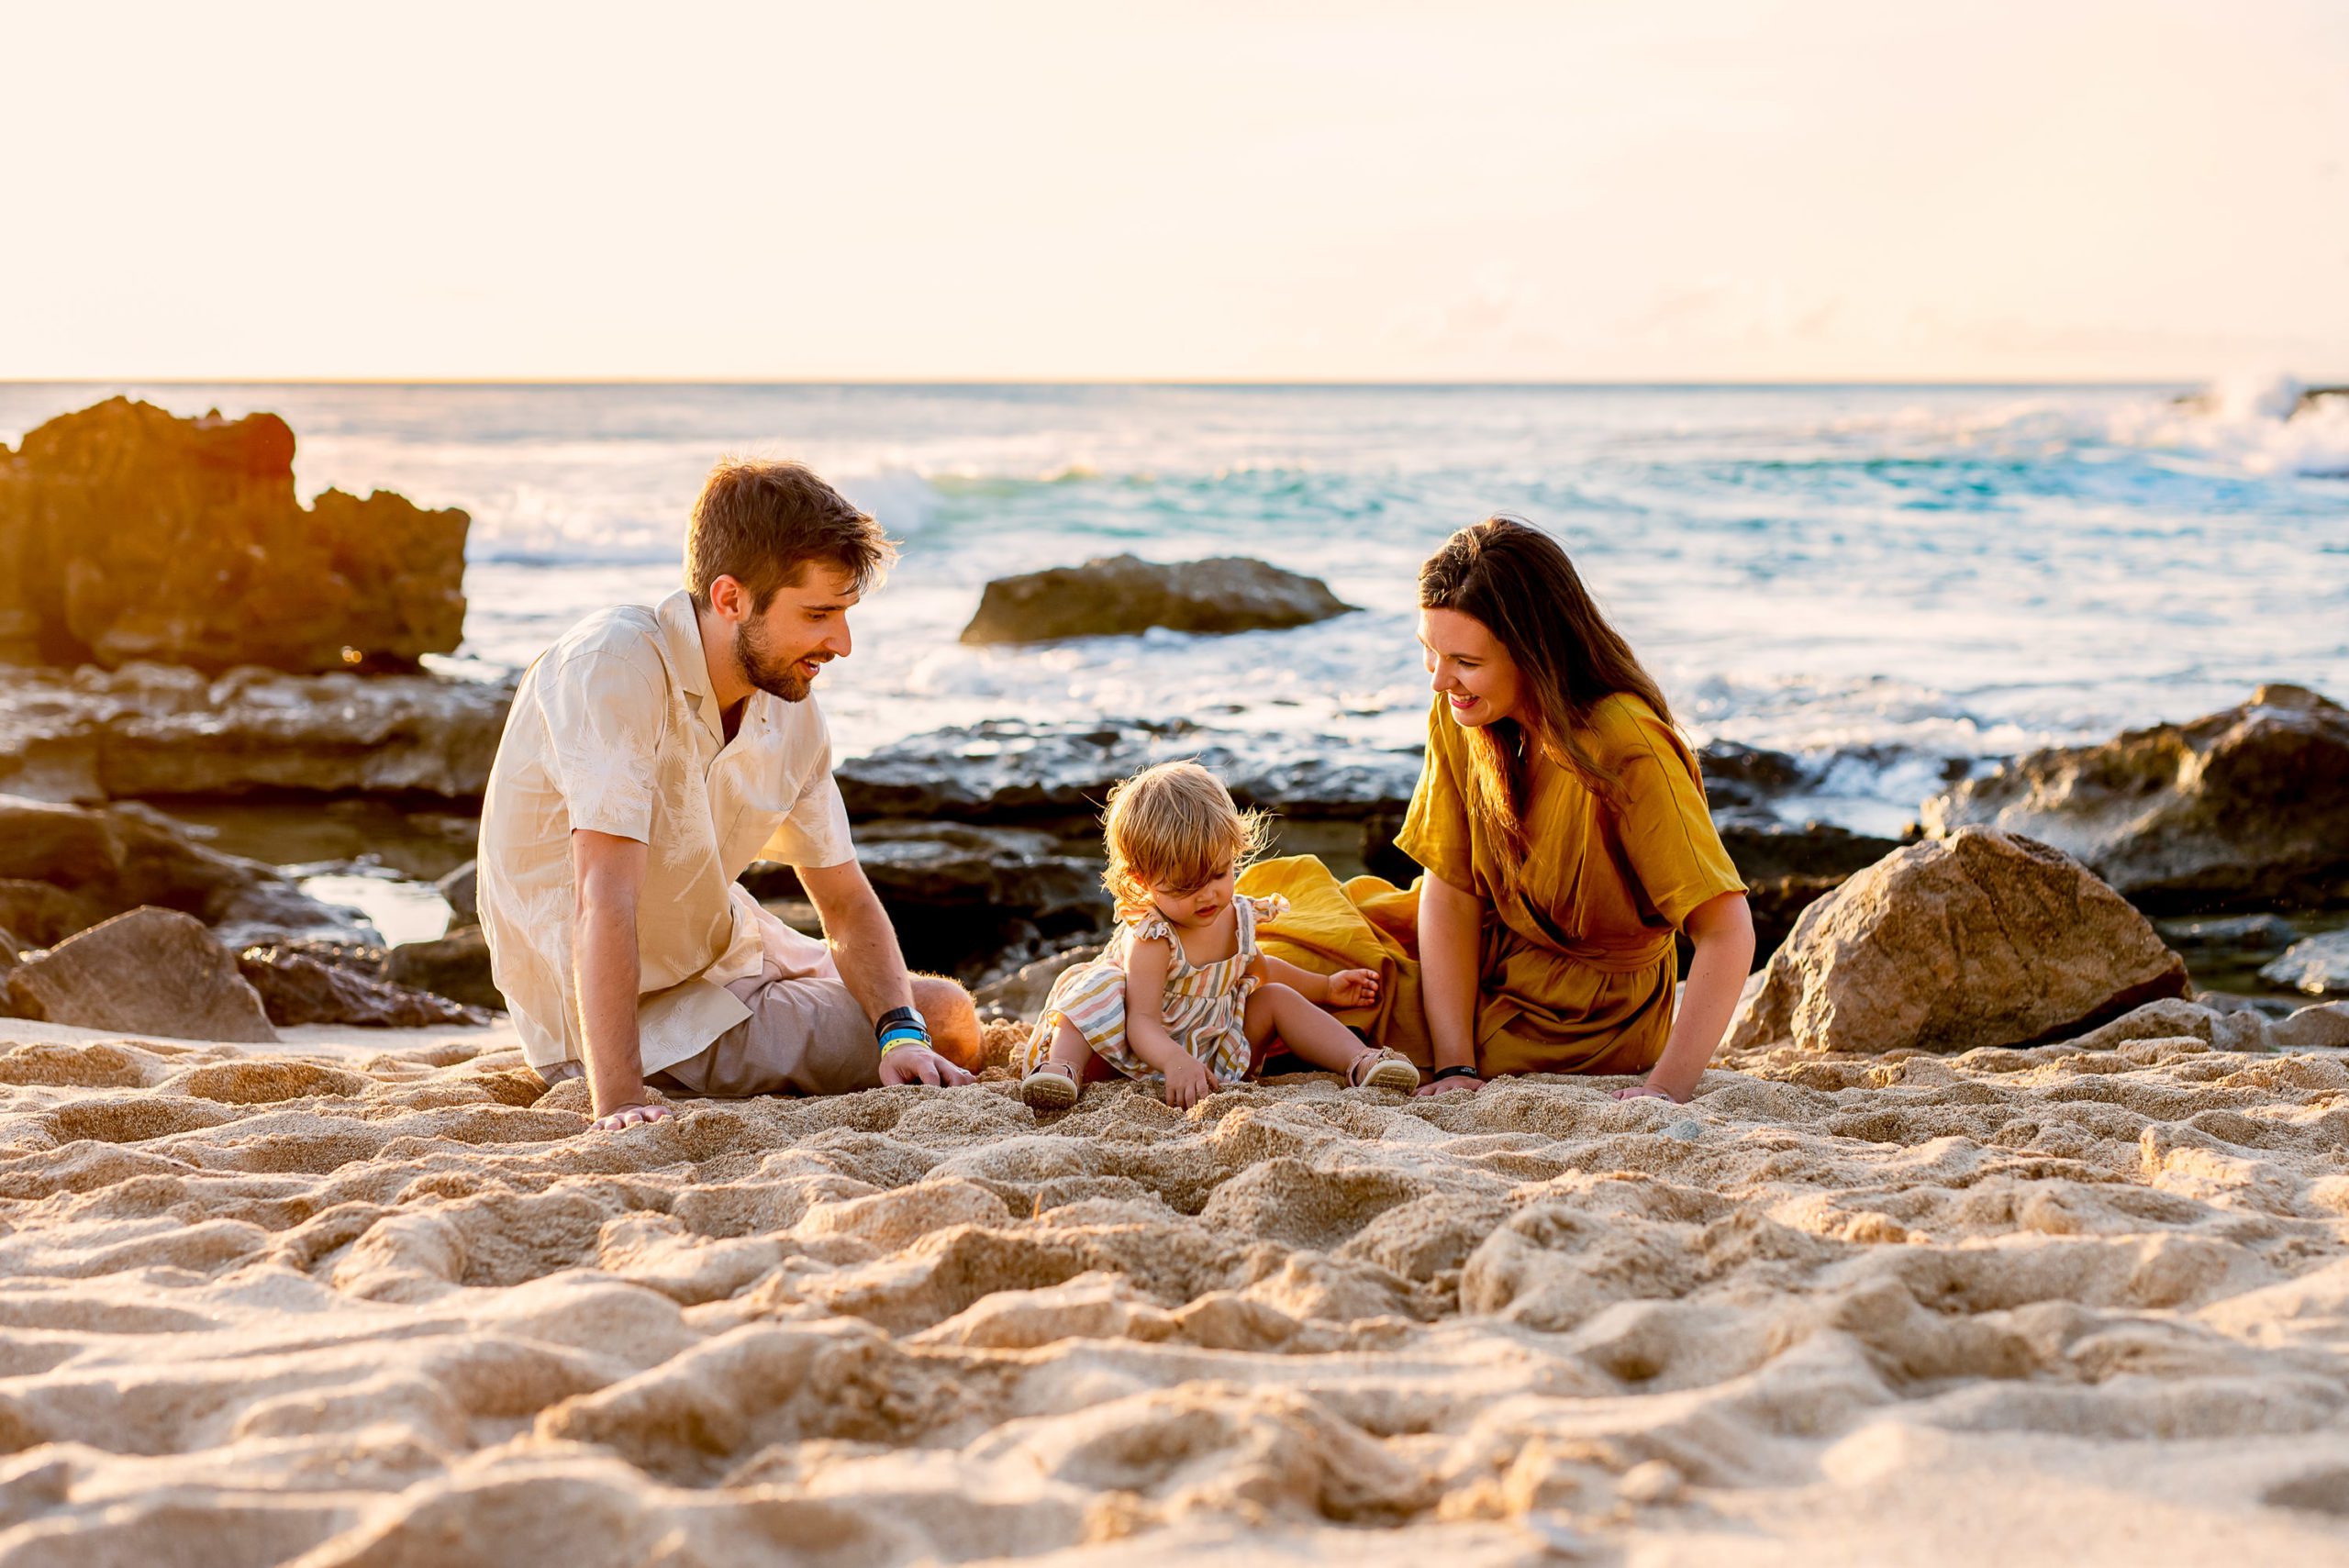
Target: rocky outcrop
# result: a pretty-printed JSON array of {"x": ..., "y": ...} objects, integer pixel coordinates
[
  {"x": 2246, "y": 807},
  {"x": 1982, "y": 938},
  {"x": 2318, "y": 966},
  {"x": 126, "y": 533},
  {"x": 296, "y": 987},
  {"x": 149, "y": 729},
  {"x": 42, "y": 916},
  {"x": 1117, "y": 594},
  {"x": 460, "y": 891},
  {"x": 153, "y": 972},
  {"x": 1019, "y": 995},
  {"x": 100, "y": 862},
  {"x": 961, "y": 896},
  {"x": 1012, "y": 771},
  {"x": 456, "y": 966}
]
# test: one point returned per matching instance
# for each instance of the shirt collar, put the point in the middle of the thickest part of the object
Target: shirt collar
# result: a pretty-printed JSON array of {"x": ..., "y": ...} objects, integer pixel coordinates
[{"x": 681, "y": 635}]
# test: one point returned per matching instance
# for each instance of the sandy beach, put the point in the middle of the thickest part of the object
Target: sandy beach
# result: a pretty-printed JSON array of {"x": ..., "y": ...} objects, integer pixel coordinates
[{"x": 369, "y": 1298}]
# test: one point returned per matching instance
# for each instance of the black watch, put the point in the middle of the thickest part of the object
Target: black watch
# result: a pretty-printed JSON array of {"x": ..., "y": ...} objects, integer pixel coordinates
[
  {"x": 895, "y": 1016},
  {"x": 1461, "y": 1070}
]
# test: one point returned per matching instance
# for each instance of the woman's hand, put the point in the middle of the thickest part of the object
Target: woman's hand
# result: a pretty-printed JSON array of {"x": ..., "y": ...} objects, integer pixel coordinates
[
  {"x": 639, "y": 1113},
  {"x": 1649, "y": 1092},
  {"x": 1352, "y": 988},
  {"x": 1187, "y": 1082}
]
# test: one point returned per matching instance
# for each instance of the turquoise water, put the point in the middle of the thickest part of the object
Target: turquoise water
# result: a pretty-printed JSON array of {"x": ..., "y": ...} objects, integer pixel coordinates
[{"x": 1878, "y": 578}]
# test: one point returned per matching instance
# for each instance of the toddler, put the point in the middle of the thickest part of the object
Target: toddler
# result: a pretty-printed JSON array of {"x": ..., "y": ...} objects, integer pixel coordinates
[{"x": 1182, "y": 993}]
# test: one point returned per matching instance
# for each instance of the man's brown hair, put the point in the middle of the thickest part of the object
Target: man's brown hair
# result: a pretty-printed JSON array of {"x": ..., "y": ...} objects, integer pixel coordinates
[{"x": 762, "y": 523}]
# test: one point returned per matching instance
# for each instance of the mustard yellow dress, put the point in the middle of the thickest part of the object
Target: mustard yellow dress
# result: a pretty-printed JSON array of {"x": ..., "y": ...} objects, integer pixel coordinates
[{"x": 1576, "y": 963}]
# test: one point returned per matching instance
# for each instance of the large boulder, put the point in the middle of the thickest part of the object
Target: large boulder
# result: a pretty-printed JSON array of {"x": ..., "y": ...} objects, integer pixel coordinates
[
  {"x": 1982, "y": 938},
  {"x": 1014, "y": 771},
  {"x": 298, "y": 987},
  {"x": 2318, "y": 966},
  {"x": 102, "y": 862},
  {"x": 2250, "y": 806},
  {"x": 151, "y": 730},
  {"x": 126, "y": 533},
  {"x": 1116, "y": 594},
  {"x": 153, "y": 972}
]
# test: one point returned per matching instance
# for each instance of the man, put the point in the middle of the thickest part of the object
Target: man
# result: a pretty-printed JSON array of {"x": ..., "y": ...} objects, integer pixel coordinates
[{"x": 650, "y": 755}]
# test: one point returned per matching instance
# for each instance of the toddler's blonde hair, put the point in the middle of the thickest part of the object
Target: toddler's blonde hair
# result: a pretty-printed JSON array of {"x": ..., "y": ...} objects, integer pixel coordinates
[{"x": 1171, "y": 827}]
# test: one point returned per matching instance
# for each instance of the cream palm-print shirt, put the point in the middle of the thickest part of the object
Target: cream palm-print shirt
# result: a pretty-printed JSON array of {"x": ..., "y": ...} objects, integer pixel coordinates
[{"x": 615, "y": 728}]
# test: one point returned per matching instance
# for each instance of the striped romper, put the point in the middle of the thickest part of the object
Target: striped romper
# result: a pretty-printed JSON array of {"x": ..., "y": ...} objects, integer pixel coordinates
[{"x": 1205, "y": 1007}]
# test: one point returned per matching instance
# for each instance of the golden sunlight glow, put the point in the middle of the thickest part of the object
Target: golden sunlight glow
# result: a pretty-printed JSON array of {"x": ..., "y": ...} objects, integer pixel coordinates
[{"x": 1723, "y": 189}]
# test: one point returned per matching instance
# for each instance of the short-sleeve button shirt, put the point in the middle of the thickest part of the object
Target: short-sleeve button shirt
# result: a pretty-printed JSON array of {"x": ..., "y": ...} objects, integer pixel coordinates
[{"x": 615, "y": 728}]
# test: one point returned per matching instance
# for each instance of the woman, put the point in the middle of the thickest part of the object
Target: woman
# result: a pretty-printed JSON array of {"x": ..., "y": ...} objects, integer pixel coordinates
[{"x": 1563, "y": 826}]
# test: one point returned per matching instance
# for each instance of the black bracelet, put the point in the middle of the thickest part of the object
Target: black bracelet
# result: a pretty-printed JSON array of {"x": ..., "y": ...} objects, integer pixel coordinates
[
  {"x": 899, "y": 1015},
  {"x": 1441, "y": 1074}
]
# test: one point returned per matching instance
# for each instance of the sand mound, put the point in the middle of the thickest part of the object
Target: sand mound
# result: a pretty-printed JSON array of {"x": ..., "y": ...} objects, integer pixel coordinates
[{"x": 2057, "y": 1302}]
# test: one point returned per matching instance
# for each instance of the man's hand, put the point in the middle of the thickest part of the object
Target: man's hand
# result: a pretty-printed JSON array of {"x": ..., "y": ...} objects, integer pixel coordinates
[
  {"x": 1352, "y": 988},
  {"x": 1187, "y": 1082},
  {"x": 918, "y": 1064},
  {"x": 1461, "y": 1085},
  {"x": 641, "y": 1112}
]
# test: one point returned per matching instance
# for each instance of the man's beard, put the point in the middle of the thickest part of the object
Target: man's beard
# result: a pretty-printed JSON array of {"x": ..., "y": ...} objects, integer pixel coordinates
[{"x": 779, "y": 677}]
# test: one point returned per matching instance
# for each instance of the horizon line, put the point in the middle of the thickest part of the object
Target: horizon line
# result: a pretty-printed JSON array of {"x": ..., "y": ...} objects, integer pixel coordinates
[{"x": 1262, "y": 383}]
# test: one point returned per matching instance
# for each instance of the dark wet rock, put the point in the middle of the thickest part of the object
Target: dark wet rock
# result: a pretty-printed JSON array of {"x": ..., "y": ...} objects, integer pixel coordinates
[
  {"x": 1982, "y": 938},
  {"x": 1776, "y": 904},
  {"x": 1737, "y": 774},
  {"x": 458, "y": 891},
  {"x": 1379, "y": 855},
  {"x": 1767, "y": 851},
  {"x": 1019, "y": 995},
  {"x": 2316, "y": 966},
  {"x": 155, "y": 971},
  {"x": 2249, "y": 806},
  {"x": 296, "y": 987},
  {"x": 44, "y": 916},
  {"x": 117, "y": 858},
  {"x": 456, "y": 966},
  {"x": 961, "y": 895},
  {"x": 1119, "y": 595},
  {"x": 126, "y": 533},
  {"x": 2228, "y": 934},
  {"x": 158, "y": 730},
  {"x": 1013, "y": 771}
]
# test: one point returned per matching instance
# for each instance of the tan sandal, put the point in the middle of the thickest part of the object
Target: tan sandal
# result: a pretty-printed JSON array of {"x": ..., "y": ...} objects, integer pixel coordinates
[
  {"x": 1383, "y": 1070},
  {"x": 1050, "y": 1087}
]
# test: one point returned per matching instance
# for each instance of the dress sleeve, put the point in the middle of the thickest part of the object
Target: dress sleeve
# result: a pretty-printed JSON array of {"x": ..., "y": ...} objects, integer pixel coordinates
[
  {"x": 1435, "y": 828},
  {"x": 604, "y": 716},
  {"x": 1662, "y": 820}
]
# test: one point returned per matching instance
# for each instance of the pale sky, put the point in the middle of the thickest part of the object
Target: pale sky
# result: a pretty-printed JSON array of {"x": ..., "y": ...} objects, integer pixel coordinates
[{"x": 1700, "y": 190}]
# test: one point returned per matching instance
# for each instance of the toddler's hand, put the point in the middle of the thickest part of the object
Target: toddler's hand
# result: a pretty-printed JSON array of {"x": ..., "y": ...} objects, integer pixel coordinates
[
  {"x": 1187, "y": 1082},
  {"x": 1353, "y": 988}
]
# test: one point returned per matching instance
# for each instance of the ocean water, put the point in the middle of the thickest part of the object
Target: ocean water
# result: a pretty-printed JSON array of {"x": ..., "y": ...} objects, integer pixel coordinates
[{"x": 1887, "y": 580}]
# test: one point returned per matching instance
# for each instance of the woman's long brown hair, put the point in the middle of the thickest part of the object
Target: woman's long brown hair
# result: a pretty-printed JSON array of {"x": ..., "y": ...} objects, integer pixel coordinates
[{"x": 1517, "y": 579}]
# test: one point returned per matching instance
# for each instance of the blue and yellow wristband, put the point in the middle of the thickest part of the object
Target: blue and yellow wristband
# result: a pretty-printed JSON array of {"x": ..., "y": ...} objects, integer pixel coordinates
[{"x": 901, "y": 1025}]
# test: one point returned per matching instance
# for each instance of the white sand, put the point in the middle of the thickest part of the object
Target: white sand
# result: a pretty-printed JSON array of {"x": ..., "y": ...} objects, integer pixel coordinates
[{"x": 370, "y": 1299}]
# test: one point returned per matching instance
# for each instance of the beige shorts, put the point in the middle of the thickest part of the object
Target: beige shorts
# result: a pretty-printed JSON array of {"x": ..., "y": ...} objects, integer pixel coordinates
[{"x": 805, "y": 1036}]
